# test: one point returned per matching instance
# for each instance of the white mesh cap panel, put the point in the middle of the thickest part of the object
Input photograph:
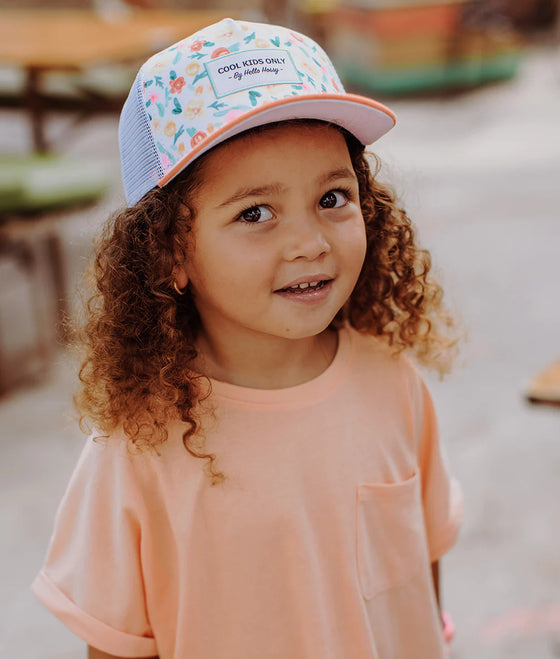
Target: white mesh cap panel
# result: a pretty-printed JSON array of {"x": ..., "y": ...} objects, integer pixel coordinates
[{"x": 140, "y": 164}]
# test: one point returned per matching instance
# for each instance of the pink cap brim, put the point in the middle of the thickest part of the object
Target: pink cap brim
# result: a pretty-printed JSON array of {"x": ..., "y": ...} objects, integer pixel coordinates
[{"x": 365, "y": 118}]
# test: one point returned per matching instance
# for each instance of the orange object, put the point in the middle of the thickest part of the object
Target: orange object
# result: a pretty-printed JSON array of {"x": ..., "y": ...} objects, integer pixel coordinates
[
  {"x": 545, "y": 386},
  {"x": 401, "y": 22}
]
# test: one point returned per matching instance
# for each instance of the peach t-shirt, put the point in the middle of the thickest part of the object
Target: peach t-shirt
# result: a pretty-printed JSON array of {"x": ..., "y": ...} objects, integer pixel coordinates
[{"x": 318, "y": 545}]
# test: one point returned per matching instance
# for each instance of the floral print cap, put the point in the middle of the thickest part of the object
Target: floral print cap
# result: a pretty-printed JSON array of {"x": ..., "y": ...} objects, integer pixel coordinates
[{"x": 225, "y": 79}]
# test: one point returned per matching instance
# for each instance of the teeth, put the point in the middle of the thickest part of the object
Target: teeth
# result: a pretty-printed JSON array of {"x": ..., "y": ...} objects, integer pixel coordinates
[{"x": 305, "y": 285}]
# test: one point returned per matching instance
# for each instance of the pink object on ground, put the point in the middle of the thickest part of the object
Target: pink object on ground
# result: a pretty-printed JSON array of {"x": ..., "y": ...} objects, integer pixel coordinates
[{"x": 448, "y": 627}]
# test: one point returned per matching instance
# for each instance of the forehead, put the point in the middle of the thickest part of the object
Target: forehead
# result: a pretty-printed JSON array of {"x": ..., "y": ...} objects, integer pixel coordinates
[{"x": 272, "y": 151}]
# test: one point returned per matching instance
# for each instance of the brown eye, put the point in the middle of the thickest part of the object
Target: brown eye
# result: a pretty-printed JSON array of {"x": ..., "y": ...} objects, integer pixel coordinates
[
  {"x": 333, "y": 199},
  {"x": 252, "y": 214},
  {"x": 255, "y": 215}
]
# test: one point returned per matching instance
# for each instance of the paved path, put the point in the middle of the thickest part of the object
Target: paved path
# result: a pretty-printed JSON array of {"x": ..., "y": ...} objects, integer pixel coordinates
[{"x": 480, "y": 173}]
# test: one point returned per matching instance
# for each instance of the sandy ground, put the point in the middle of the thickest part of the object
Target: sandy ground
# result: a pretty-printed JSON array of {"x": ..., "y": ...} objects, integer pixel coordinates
[{"x": 480, "y": 174}]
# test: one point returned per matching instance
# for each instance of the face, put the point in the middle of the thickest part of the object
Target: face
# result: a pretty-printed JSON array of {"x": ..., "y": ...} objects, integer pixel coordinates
[{"x": 278, "y": 238}]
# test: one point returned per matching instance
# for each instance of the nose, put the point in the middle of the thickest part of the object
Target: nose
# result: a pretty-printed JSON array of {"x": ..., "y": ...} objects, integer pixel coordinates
[{"x": 307, "y": 239}]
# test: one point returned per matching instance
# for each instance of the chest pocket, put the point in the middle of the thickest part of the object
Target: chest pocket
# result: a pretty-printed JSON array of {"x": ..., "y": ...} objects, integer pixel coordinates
[{"x": 391, "y": 543}]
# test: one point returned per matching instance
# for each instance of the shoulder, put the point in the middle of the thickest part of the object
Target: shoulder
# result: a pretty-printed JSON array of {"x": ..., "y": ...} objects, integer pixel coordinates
[
  {"x": 103, "y": 449},
  {"x": 117, "y": 447},
  {"x": 141, "y": 466},
  {"x": 113, "y": 476},
  {"x": 369, "y": 350},
  {"x": 388, "y": 375},
  {"x": 105, "y": 463},
  {"x": 111, "y": 461}
]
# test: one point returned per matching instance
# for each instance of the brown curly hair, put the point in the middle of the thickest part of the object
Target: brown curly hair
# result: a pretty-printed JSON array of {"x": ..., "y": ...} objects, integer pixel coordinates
[{"x": 139, "y": 336}]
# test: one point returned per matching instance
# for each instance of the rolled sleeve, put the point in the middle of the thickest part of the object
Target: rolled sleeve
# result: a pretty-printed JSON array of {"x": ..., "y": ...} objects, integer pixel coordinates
[
  {"x": 92, "y": 578},
  {"x": 91, "y": 630}
]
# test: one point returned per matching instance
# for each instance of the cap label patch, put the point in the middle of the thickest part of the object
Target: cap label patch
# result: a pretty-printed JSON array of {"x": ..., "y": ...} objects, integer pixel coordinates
[{"x": 252, "y": 68}]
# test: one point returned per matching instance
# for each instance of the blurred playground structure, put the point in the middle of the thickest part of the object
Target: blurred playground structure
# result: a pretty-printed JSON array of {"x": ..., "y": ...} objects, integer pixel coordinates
[{"x": 80, "y": 57}]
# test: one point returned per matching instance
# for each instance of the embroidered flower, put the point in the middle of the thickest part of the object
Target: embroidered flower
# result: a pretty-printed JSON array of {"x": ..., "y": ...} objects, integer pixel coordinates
[
  {"x": 163, "y": 63},
  {"x": 154, "y": 97},
  {"x": 156, "y": 124},
  {"x": 196, "y": 45},
  {"x": 210, "y": 128},
  {"x": 165, "y": 161},
  {"x": 192, "y": 69},
  {"x": 181, "y": 148},
  {"x": 261, "y": 43},
  {"x": 197, "y": 138},
  {"x": 193, "y": 108},
  {"x": 219, "y": 52},
  {"x": 232, "y": 114},
  {"x": 226, "y": 33},
  {"x": 177, "y": 85},
  {"x": 199, "y": 90},
  {"x": 311, "y": 70},
  {"x": 170, "y": 129}
]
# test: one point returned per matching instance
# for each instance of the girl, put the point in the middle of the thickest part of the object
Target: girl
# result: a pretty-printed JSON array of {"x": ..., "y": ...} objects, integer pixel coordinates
[{"x": 265, "y": 479}]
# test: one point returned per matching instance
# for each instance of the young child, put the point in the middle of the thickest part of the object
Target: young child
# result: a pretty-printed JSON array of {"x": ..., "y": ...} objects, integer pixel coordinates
[{"x": 264, "y": 480}]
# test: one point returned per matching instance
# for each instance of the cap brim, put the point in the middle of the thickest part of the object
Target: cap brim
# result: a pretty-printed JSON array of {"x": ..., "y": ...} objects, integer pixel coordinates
[{"x": 365, "y": 118}]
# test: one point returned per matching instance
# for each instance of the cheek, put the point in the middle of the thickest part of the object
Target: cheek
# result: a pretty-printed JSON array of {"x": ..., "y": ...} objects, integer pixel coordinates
[
  {"x": 231, "y": 271},
  {"x": 355, "y": 242}
]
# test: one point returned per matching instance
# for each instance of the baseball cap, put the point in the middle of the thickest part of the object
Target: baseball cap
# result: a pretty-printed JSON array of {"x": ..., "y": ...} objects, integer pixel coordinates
[{"x": 223, "y": 80}]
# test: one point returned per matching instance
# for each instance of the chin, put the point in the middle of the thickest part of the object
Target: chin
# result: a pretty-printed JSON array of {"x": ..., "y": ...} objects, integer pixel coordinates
[{"x": 307, "y": 332}]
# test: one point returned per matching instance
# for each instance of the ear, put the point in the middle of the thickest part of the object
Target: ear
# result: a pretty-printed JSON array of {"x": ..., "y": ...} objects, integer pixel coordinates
[{"x": 181, "y": 277}]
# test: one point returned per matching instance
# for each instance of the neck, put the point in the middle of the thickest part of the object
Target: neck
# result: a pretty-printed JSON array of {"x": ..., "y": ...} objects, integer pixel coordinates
[{"x": 265, "y": 362}]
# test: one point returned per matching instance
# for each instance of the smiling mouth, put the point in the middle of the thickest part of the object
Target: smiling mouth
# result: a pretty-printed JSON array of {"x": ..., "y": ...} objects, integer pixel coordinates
[{"x": 306, "y": 287}]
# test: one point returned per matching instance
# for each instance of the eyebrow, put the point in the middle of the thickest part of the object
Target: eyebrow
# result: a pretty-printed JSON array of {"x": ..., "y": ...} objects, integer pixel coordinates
[
  {"x": 276, "y": 188},
  {"x": 342, "y": 172},
  {"x": 243, "y": 193}
]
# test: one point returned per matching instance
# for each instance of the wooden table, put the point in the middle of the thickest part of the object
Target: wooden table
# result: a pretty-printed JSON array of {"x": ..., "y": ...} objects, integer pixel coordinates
[{"x": 40, "y": 41}]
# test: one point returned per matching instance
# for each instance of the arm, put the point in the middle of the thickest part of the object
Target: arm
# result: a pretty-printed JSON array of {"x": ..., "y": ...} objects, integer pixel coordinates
[{"x": 94, "y": 653}]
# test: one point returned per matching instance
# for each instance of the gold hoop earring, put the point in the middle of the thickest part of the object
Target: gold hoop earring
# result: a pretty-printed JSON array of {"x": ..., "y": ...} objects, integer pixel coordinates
[{"x": 179, "y": 291}]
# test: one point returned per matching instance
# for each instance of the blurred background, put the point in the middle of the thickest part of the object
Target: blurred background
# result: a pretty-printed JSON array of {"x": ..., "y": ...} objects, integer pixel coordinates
[{"x": 475, "y": 158}]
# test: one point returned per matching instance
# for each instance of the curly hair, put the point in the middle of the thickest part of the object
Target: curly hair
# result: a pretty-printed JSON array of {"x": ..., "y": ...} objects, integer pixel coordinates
[{"x": 139, "y": 336}]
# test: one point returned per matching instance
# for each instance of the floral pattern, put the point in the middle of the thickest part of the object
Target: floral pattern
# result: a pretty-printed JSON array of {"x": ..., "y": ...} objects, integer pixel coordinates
[
  {"x": 181, "y": 105},
  {"x": 177, "y": 85}
]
